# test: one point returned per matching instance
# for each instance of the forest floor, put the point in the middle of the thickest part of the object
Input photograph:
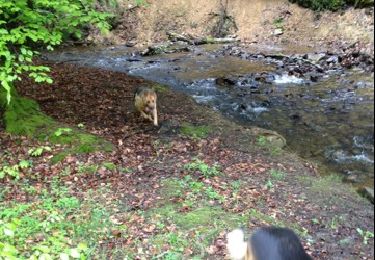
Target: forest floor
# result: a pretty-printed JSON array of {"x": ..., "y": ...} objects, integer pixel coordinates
[{"x": 168, "y": 192}]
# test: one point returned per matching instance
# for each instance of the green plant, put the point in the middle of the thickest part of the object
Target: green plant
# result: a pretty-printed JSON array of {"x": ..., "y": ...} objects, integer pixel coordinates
[
  {"x": 269, "y": 184},
  {"x": 279, "y": 23},
  {"x": 277, "y": 175},
  {"x": 367, "y": 235},
  {"x": 212, "y": 194},
  {"x": 141, "y": 3},
  {"x": 110, "y": 166},
  {"x": 25, "y": 164},
  {"x": 36, "y": 152},
  {"x": 39, "y": 230},
  {"x": 262, "y": 141},
  {"x": 11, "y": 171},
  {"x": 27, "y": 25},
  {"x": 14, "y": 170},
  {"x": 203, "y": 168},
  {"x": 61, "y": 131}
]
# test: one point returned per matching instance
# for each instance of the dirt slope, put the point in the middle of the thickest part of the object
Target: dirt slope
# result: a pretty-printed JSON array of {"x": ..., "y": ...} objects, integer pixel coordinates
[{"x": 255, "y": 22}]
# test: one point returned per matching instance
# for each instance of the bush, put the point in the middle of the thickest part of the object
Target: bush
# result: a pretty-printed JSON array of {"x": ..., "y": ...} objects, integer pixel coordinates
[
  {"x": 333, "y": 5},
  {"x": 27, "y": 27}
]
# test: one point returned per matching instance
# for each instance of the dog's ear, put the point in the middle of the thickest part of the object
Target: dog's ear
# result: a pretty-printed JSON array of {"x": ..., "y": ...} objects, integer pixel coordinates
[{"x": 237, "y": 247}]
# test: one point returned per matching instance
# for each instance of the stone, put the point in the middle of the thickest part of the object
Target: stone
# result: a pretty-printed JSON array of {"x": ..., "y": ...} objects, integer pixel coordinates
[
  {"x": 278, "y": 32},
  {"x": 316, "y": 57}
]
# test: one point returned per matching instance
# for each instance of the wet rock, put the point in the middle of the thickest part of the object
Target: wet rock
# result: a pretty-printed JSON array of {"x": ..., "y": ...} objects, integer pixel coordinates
[
  {"x": 130, "y": 44},
  {"x": 278, "y": 32},
  {"x": 225, "y": 82},
  {"x": 333, "y": 59},
  {"x": 355, "y": 177},
  {"x": 315, "y": 77},
  {"x": 277, "y": 56},
  {"x": 295, "y": 117},
  {"x": 274, "y": 139},
  {"x": 169, "y": 127},
  {"x": 164, "y": 48},
  {"x": 316, "y": 57}
]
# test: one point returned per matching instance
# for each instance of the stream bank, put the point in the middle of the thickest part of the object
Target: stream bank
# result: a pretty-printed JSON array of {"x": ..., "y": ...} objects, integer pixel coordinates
[
  {"x": 254, "y": 184},
  {"x": 303, "y": 96}
]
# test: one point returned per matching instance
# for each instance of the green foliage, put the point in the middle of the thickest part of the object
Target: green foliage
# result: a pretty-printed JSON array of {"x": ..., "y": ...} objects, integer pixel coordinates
[
  {"x": 13, "y": 171},
  {"x": 61, "y": 131},
  {"x": 206, "y": 170},
  {"x": 38, "y": 151},
  {"x": 205, "y": 222},
  {"x": 367, "y": 235},
  {"x": 46, "y": 228},
  {"x": 279, "y": 23},
  {"x": 277, "y": 175},
  {"x": 141, "y": 3},
  {"x": 333, "y": 5},
  {"x": 26, "y": 25}
]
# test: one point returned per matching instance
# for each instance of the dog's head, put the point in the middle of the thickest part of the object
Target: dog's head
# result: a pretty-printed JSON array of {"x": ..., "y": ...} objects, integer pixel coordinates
[
  {"x": 266, "y": 243},
  {"x": 150, "y": 99}
]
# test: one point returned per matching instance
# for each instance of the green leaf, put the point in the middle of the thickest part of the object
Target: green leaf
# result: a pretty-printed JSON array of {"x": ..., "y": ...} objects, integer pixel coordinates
[{"x": 24, "y": 164}]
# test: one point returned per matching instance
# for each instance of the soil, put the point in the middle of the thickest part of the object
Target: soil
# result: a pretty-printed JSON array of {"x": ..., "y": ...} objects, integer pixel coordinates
[
  {"x": 255, "y": 23},
  {"x": 326, "y": 214}
]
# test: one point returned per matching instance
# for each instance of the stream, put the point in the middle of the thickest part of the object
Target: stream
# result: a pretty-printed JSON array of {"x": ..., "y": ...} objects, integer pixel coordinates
[{"x": 325, "y": 111}]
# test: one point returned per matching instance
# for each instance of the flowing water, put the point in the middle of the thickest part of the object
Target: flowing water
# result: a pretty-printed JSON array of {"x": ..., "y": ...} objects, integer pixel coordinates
[{"x": 330, "y": 120}]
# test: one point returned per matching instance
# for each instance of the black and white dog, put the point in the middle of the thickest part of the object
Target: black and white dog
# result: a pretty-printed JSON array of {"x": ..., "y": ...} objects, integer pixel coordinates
[{"x": 269, "y": 243}]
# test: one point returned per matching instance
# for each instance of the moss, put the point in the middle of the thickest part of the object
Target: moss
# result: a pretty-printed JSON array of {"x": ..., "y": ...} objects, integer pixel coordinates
[
  {"x": 210, "y": 40},
  {"x": 199, "y": 132},
  {"x": 110, "y": 166},
  {"x": 160, "y": 88},
  {"x": 206, "y": 222},
  {"x": 23, "y": 117},
  {"x": 171, "y": 188},
  {"x": 59, "y": 157}
]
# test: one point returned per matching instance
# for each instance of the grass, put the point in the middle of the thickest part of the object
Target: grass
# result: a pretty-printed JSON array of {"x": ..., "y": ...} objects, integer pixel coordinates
[
  {"x": 196, "y": 132},
  {"x": 195, "y": 230},
  {"x": 197, "y": 227},
  {"x": 271, "y": 145}
]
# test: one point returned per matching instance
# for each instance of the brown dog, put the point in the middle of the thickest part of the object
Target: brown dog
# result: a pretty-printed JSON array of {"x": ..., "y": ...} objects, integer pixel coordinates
[
  {"x": 145, "y": 103},
  {"x": 270, "y": 243}
]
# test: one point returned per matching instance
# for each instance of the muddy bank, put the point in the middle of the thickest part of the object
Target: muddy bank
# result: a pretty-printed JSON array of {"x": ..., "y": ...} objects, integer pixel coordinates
[
  {"x": 261, "y": 22},
  {"x": 259, "y": 185}
]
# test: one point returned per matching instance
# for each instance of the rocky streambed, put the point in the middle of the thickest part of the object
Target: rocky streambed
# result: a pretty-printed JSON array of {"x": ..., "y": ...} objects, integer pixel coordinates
[{"x": 322, "y": 102}]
